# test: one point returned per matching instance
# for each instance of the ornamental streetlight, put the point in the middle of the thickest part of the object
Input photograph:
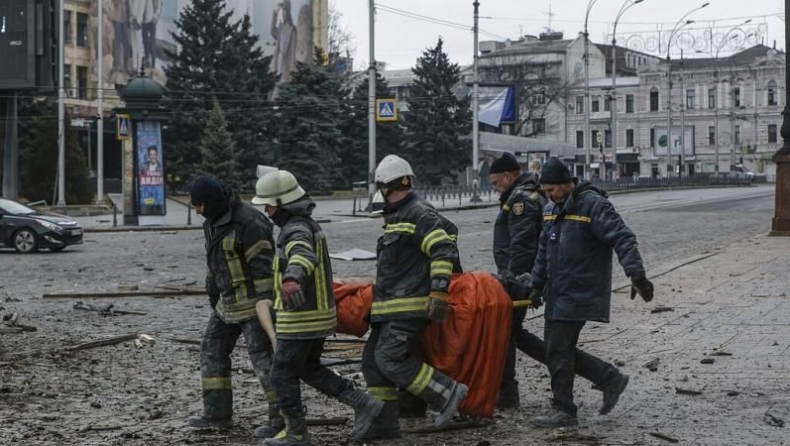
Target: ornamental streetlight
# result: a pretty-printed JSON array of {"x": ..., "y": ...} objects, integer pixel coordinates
[
  {"x": 587, "y": 134},
  {"x": 780, "y": 225}
]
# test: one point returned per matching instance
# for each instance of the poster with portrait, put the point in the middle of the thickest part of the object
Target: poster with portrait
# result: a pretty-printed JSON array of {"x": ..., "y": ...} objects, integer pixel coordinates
[
  {"x": 150, "y": 176},
  {"x": 137, "y": 34}
]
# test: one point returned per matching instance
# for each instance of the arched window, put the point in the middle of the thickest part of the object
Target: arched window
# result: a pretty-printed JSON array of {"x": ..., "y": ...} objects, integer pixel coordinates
[{"x": 772, "y": 93}]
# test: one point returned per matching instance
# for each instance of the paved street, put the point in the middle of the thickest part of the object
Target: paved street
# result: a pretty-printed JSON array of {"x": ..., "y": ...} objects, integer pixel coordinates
[{"x": 731, "y": 303}]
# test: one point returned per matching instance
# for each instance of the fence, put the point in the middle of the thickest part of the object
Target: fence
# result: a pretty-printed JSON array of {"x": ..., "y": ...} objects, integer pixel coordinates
[
  {"x": 696, "y": 180},
  {"x": 453, "y": 193}
]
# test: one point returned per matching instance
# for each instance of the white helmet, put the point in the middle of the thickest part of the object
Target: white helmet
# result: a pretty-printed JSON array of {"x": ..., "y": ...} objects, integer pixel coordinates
[
  {"x": 391, "y": 168},
  {"x": 277, "y": 188}
]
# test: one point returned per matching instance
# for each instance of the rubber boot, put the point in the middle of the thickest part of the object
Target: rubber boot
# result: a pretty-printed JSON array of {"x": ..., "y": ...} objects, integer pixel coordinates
[
  {"x": 366, "y": 409},
  {"x": 274, "y": 426},
  {"x": 451, "y": 407},
  {"x": 294, "y": 434},
  {"x": 201, "y": 422},
  {"x": 385, "y": 426}
]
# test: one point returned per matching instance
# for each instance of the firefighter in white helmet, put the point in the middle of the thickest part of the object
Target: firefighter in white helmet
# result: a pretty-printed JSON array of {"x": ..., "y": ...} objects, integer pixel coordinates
[
  {"x": 415, "y": 259},
  {"x": 305, "y": 307}
]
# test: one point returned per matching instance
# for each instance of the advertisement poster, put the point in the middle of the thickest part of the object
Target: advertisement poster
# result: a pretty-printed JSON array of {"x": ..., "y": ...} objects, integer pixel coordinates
[
  {"x": 150, "y": 177},
  {"x": 137, "y": 33}
]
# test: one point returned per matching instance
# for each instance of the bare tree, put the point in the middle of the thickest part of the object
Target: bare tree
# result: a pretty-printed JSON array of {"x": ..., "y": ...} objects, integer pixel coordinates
[
  {"x": 540, "y": 86},
  {"x": 340, "y": 44}
]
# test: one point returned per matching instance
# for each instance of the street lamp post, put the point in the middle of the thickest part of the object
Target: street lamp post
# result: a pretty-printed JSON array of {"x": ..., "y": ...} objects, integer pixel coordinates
[
  {"x": 780, "y": 226},
  {"x": 613, "y": 108},
  {"x": 678, "y": 26},
  {"x": 475, "y": 108},
  {"x": 587, "y": 133}
]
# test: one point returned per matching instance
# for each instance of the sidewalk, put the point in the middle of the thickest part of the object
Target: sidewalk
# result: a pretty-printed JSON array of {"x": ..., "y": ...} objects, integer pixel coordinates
[{"x": 727, "y": 337}]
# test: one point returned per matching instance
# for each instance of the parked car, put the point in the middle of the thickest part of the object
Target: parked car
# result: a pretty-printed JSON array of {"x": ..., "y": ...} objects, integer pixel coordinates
[
  {"x": 28, "y": 230},
  {"x": 740, "y": 168}
]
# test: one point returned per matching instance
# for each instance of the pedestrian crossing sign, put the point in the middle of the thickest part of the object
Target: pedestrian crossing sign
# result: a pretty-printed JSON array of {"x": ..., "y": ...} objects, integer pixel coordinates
[
  {"x": 123, "y": 130},
  {"x": 386, "y": 110}
]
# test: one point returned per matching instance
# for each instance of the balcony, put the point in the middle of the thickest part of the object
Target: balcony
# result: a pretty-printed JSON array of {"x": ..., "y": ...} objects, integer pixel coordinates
[{"x": 600, "y": 116}]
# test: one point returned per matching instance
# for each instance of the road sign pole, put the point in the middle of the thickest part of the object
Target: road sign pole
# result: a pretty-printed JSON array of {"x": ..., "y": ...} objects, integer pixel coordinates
[
  {"x": 372, "y": 103},
  {"x": 61, "y": 113},
  {"x": 475, "y": 111}
]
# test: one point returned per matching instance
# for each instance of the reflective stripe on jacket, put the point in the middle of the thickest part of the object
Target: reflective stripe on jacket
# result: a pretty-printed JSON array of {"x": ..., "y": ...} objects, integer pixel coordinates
[
  {"x": 302, "y": 256},
  {"x": 574, "y": 262},
  {"x": 415, "y": 256},
  {"x": 239, "y": 252}
]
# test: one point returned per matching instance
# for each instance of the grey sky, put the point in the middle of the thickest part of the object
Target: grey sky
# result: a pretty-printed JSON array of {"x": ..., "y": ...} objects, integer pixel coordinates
[{"x": 400, "y": 40}]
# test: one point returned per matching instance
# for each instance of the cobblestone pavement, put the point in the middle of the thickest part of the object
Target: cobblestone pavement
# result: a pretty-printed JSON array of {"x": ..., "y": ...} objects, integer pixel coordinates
[{"x": 726, "y": 284}]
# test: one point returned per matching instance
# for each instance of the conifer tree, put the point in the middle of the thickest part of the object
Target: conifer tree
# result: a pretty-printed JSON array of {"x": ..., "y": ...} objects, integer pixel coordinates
[{"x": 218, "y": 150}]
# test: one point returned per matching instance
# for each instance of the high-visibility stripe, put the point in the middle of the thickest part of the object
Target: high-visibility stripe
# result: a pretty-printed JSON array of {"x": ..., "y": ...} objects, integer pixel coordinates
[
  {"x": 235, "y": 270},
  {"x": 297, "y": 259},
  {"x": 533, "y": 196},
  {"x": 295, "y": 316},
  {"x": 256, "y": 249},
  {"x": 580, "y": 218},
  {"x": 263, "y": 285},
  {"x": 454, "y": 238},
  {"x": 306, "y": 327},
  {"x": 408, "y": 228},
  {"x": 506, "y": 208},
  {"x": 384, "y": 393},
  {"x": 435, "y": 236},
  {"x": 237, "y": 312},
  {"x": 322, "y": 300},
  {"x": 291, "y": 245},
  {"x": 217, "y": 383},
  {"x": 399, "y": 305},
  {"x": 444, "y": 267},
  {"x": 421, "y": 381},
  {"x": 271, "y": 396},
  {"x": 548, "y": 217}
]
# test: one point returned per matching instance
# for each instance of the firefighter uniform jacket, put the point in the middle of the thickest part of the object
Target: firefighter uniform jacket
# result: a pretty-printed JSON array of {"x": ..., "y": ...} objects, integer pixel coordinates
[
  {"x": 415, "y": 256},
  {"x": 239, "y": 252},
  {"x": 518, "y": 225},
  {"x": 302, "y": 256},
  {"x": 574, "y": 263}
]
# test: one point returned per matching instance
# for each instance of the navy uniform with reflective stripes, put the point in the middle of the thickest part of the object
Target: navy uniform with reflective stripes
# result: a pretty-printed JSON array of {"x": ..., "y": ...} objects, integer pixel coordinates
[
  {"x": 415, "y": 256},
  {"x": 239, "y": 252},
  {"x": 302, "y": 256}
]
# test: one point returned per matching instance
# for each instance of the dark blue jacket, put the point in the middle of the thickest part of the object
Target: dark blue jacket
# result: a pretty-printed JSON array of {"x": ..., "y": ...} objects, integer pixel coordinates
[
  {"x": 517, "y": 227},
  {"x": 574, "y": 263}
]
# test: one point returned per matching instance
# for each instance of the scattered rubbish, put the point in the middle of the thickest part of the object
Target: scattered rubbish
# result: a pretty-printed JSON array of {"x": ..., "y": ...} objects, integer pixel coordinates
[
  {"x": 10, "y": 330},
  {"x": 687, "y": 391},
  {"x": 720, "y": 353},
  {"x": 661, "y": 309},
  {"x": 186, "y": 288},
  {"x": 128, "y": 287},
  {"x": 707, "y": 361},
  {"x": 144, "y": 340},
  {"x": 774, "y": 344},
  {"x": 772, "y": 420},
  {"x": 661, "y": 436},
  {"x": 619, "y": 363},
  {"x": 574, "y": 436},
  {"x": 106, "y": 310},
  {"x": 470, "y": 424},
  {"x": 652, "y": 365},
  {"x": 354, "y": 254},
  {"x": 109, "y": 294},
  {"x": 112, "y": 341},
  {"x": 13, "y": 326},
  {"x": 733, "y": 393}
]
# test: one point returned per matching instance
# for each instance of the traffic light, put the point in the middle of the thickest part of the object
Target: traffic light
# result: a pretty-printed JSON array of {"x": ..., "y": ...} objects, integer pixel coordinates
[{"x": 27, "y": 44}]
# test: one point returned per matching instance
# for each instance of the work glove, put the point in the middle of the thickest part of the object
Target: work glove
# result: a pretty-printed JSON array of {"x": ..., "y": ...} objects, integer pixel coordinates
[
  {"x": 292, "y": 295},
  {"x": 640, "y": 285},
  {"x": 536, "y": 297},
  {"x": 517, "y": 287},
  {"x": 437, "y": 306}
]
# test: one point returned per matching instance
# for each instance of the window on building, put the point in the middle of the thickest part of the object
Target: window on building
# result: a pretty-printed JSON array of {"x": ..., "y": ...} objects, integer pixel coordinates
[
  {"x": 772, "y": 93},
  {"x": 67, "y": 27},
  {"x": 67, "y": 77},
  {"x": 82, "y": 82},
  {"x": 82, "y": 29},
  {"x": 652, "y": 137},
  {"x": 579, "y": 139},
  {"x": 654, "y": 99},
  {"x": 629, "y": 103},
  {"x": 596, "y": 104},
  {"x": 539, "y": 98},
  {"x": 607, "y": 138},
  {"x": 691, "y": 99},
  {"x": 538, "y": 126},
  {"x": 595, "y": 143},
  {"x": 711, "y": 135},
  {"x": 772, "y": 137},
  {"x": 607, "y": 103},
  {"x": 629, "y": 137},
  {"x": 712, "y": 98},
  {"x": 579, "y": 105},
  {"x": 737, "y": 134},
  {"x": 736, "y": 97}
]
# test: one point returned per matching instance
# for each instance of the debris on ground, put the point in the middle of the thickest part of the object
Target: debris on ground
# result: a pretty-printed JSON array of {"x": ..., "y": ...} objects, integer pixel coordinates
[
  {"x": 106, "y": 310},
  {"x": 458, "y": 425},
  {"x": 661, "y": 309},
  {"x": 652, "y": 365},
  {"x": 13, "y": 326},
  {"x": 574, "y": 436},
  {"x": 112, "y": 341},
  {"x": 707, "y": 361},
  {"x": 721, "y": 353},
  {"x": 661, "y": 436},
  {"x": 771, "y": 419},
  {"x": 681, "y": 391}
]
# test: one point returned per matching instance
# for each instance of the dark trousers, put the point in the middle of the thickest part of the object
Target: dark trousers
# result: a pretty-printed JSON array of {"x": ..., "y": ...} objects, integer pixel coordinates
[
  {"x": 218, "y": 343},
  {"x": 564, "y": 361},
  {"x": 388, "y": 362},
  {"x": 149, "y": 43},
  {"x": 121, "y": 47},
  {"x": 297, "y": 359}
]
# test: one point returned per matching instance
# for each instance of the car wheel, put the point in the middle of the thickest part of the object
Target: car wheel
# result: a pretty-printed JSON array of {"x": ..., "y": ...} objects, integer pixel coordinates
[
  {"x": 25, "y": 240},
  {"x": 57, "y": 248}
]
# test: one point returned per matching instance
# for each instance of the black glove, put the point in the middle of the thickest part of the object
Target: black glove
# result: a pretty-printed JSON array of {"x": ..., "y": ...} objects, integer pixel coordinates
[
  {"x": 213, "y": 300},
  {"x": 640, "y": 285},
  {"x": 516, "y": 287},
  {"x": 536, "y": 297},
  {"x": 293, "y": 297}
]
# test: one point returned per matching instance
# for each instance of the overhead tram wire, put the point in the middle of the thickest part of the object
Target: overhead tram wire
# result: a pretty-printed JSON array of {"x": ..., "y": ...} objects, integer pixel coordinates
[{"x": 434, "y": 20}]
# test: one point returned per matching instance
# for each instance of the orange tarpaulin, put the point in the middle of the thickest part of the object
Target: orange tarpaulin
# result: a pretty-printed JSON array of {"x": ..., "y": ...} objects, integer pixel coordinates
[{"x": 470, "y": 347}]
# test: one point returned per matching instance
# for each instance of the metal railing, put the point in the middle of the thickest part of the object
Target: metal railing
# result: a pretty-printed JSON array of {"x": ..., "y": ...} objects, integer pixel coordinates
[
  {"x": 454, "y": 192},
  {"x": 696, "y": 180}
]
